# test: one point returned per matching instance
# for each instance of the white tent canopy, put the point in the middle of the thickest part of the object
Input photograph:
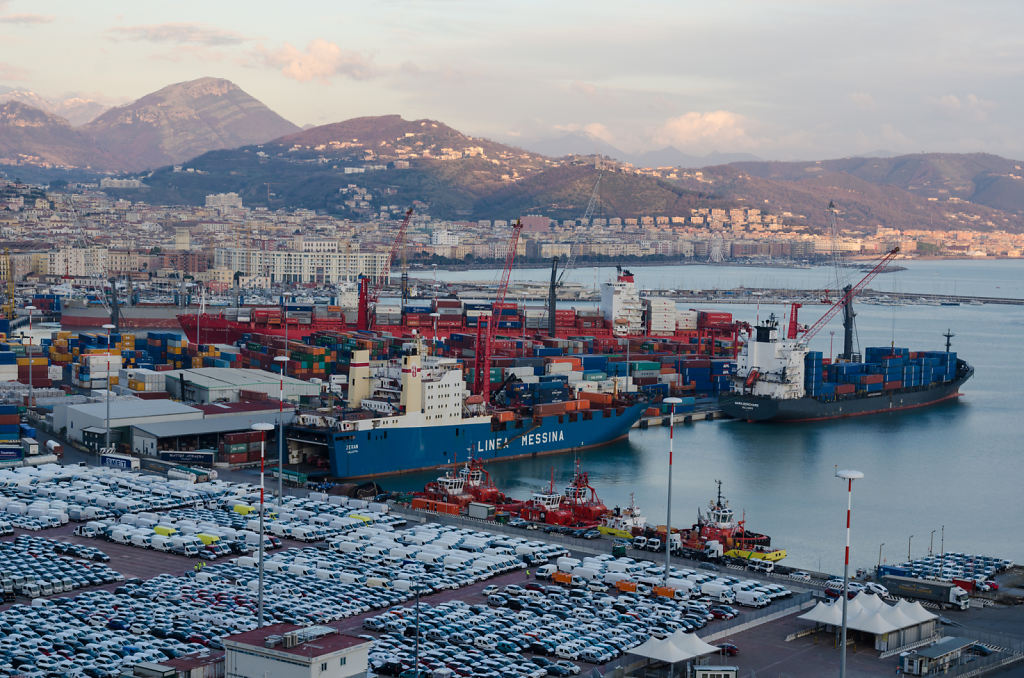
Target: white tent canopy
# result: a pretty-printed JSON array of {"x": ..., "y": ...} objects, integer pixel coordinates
[
  {"x": 868, "y": 613},
  {"x": 676, "y": 648}
]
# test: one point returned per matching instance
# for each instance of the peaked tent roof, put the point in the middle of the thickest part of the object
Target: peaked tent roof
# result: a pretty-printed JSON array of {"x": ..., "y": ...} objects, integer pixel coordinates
[
  {"x": 868, "y": 613},
  {"x": 677, "y": 647},
  {"x": 689, "y": 642}
]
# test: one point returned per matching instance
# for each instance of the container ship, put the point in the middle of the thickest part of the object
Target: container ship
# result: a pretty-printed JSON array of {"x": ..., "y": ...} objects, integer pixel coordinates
[
  {"x": 621, "y": 314},
  {"x": 413, "y": 413},
  {"x": 779, "y": 379}
]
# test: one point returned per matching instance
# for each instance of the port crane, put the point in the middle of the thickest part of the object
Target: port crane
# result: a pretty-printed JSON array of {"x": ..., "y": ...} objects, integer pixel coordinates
[
  {"x": 366, "y": 295},
  {"x": 570, "y": 260},
  {"x": 845, "y": 304},
  {"x": 485, "y": 329}
]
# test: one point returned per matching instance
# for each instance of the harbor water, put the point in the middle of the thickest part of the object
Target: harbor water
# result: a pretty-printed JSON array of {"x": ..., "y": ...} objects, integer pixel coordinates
[{"x": 955, "y": 465}]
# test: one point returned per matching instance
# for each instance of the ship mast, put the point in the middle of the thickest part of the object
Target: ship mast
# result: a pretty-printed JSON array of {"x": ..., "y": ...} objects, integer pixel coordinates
[{"x": 948, "y": 335}]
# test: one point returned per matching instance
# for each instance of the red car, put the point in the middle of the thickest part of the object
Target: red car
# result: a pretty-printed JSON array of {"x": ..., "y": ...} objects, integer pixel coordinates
[{"x": 728, "y": 649}]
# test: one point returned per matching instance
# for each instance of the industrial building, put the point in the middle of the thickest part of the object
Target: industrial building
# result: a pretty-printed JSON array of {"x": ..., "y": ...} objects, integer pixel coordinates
[
  {"x": 125, "y": 412},
  {"x": 289, "y": 651},
  {"x": 150, "y": 440},
  {"x": 226, "y": 384}
]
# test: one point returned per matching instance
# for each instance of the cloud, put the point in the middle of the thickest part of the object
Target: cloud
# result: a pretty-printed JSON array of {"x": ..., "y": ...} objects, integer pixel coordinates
[
  {"x": 592, "y": 129},
  {"x": 863, "y": 101},
  {"x": 971, "y": 106},
  {"x": 25, "y": 18},
  {"x": 322, "y": 60},
  {"x": 714, "y": 130},
  {"x": 12, "y": 72},
  {"x": 179, "y": 33}
]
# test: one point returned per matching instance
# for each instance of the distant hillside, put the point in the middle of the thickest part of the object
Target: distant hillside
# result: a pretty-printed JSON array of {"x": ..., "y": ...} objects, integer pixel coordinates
[
  {"x": 938, "y": 191},
  {"x": 183, "y": 120},
  {"x": 76, "y": 110},
  {"x": 29, "y": 136}
]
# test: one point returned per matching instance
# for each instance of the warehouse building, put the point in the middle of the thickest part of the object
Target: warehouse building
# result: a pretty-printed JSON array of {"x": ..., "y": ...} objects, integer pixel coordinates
[
  {"x": 150, "y": 440},
  {"x": 73, "y": 420},
  {"x": 228, "y": 385}
]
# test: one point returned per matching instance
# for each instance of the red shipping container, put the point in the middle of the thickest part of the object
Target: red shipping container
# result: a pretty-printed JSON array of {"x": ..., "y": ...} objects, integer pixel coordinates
[
  {"x": 892, "y": 385},
  {"x": 845, "y": 389},
  {"x": 871, "y": 379},
  {"x": 152, "y": 395}
]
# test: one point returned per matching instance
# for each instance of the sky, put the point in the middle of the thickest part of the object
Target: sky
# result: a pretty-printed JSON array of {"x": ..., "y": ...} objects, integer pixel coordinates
[{"x": 786, "y": 79}]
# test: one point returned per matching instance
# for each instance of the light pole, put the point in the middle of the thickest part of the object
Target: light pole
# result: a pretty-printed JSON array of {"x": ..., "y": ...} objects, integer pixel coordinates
[
  {"x": 262, "y": 427},
  {"x": 942, "y": 542},
  {"x": 108, "y": 327},
  {"x": 31, "y": 390},
  {"x": 849, "y": 476},
  {"x": 668, "y": 510},
  {"x": 435, "y": 316},
  {"x": 908, "y": 546},
  {"x": 283, "y": 362},
  {"x": 284, "y": 314},
  {"x": 879, "y": 557},
  {"x": 931, "y": 541}
]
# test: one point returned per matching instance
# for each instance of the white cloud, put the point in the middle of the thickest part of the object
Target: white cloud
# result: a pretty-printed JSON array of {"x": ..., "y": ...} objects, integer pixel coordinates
[
  {"x": 970, "y": 106},
  {"x": 596, "y": 130},
  {"x": 321, "y": 60},
  {"x": 863, "y": 101},
  {"x": 180, "y": 33},
  {"x": 714, "y": 130},
  {"x": 26, "y": 18}
]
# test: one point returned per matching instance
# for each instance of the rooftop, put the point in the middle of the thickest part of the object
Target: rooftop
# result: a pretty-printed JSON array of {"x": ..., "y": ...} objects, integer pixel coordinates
[
  {"x": 945, "y": 646},
  {"x": 315, "y": 648},
  {"x": 231, "y": 377},
  {"x": 225, "y": 424},
  {"x": 227, "y": 409},
  {"x": 129, "y": 408}
]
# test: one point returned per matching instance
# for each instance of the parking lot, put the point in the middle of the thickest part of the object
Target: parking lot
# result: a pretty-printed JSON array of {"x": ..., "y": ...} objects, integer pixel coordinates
[{"x": 342, "y": 562}]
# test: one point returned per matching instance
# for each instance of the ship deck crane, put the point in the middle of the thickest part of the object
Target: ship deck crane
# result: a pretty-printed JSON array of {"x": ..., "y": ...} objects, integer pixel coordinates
[
  {"x": 845, "y": 304},
  {"x": 486, "y": 326}
]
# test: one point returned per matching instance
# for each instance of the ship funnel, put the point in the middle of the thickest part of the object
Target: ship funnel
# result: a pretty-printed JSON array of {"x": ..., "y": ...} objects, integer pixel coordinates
[
  {"x": 358, "y": 378},
  {"x": 412, "y": 383}
]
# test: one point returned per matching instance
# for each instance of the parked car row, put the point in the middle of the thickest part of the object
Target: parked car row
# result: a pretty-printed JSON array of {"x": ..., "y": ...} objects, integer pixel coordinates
[
  {"x": 32, "y": 569},
  {"x": 64, "y": 548}
]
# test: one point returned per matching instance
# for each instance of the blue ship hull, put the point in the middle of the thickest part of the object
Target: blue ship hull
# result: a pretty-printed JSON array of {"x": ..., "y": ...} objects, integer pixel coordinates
[{"x": 391, "y": 450}]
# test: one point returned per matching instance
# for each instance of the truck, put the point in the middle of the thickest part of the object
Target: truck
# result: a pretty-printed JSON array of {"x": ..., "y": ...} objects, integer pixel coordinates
[
  {"x": 122, "y": 461},
  {"x": 29, "y": 447},
  {"x": 55, "y": 448},
  {"x": 945, "y": 593},
  {"x": 479, "y": 510},
  {"x": 718, "y": 591}
]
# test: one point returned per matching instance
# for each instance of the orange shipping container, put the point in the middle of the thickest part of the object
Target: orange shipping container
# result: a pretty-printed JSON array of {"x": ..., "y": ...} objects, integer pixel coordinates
[
  {"x": 506, "y": 415},
  {"x": 582, "y": 405}
]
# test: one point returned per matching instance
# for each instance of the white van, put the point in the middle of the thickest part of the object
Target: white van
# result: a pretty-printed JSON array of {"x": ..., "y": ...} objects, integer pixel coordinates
[{"x": 759, "y": 565}]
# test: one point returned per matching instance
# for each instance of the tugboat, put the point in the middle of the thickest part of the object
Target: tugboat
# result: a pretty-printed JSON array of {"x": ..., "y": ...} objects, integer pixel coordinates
[
  {"x": 581, "y": 498},
  {"x": 545, "y": 506},
  {"x": 731, "y": 535},
  {"x": 624, "y": 522},
  {"x": 478, "y": 484}
]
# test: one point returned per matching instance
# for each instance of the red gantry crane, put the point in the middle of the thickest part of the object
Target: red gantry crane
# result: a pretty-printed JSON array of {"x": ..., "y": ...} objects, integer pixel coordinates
[
  {"x": 486, "y": 326},
  {"x": 366, "y": 296}
]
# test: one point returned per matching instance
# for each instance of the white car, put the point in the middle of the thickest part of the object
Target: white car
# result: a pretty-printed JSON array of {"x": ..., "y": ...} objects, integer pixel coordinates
[
  {"x": 877, "y": 589},
  {"x": 800, "y": 576}
]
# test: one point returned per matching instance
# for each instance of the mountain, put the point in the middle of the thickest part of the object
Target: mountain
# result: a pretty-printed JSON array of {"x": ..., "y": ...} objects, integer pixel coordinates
[
  {"x": 183, "y": 120},
  {"x": 76, "y": 110},
  {"x": 928, "y": 190},
  {"x": 670, "y": 156},
  {"x": 573, "y": 143},
  {"x": 29, "y": 136}
]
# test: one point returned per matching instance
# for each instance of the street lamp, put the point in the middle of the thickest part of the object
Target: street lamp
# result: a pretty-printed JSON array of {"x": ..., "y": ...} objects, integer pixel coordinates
[
  {"x": 435, "y": 316},
  {"x": 879, "y": 557},
  {"x": 668, "y": 511},
  {"x": 108, "y": 327},
  {"x": 283, "y": 362},
  {"x": 262, "y": 427},
  {"x": 908, "y": 546},
  {"x": 31, "y": 390},
  {"x": 849, "y": 476},
  {"x": 284, "y": 314}
]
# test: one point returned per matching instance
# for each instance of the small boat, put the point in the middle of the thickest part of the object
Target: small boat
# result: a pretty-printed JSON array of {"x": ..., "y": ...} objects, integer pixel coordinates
[{"x": 624, "y": 522}]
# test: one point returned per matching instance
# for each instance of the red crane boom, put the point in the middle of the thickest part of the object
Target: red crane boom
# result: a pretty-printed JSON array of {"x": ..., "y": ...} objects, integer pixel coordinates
[
  {"x": 836, "y": 307},
  {"x": 395, "y": 246},
  {"x": 482, "y": 358}
]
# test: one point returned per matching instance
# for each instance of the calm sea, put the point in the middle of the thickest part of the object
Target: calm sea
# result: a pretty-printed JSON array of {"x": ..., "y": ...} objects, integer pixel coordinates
[{"x": 954, "y": 465}]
